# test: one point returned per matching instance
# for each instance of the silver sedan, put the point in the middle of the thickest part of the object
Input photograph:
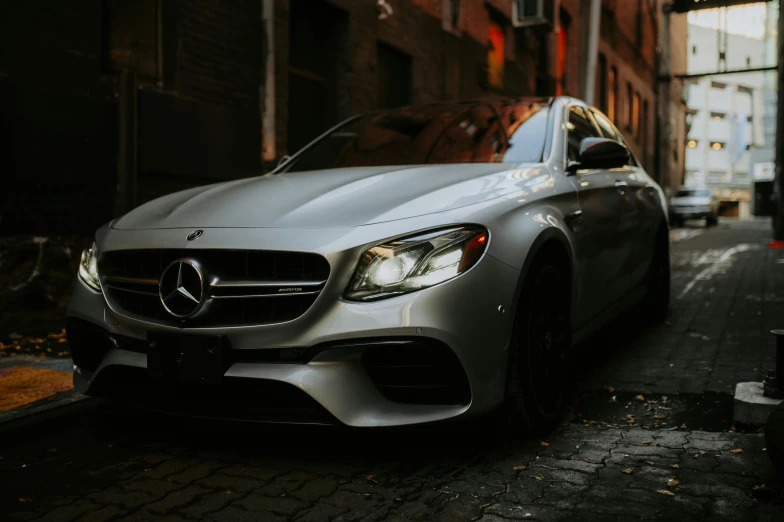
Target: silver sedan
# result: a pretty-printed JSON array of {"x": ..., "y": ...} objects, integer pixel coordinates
[{"x": 408, "y": 266}]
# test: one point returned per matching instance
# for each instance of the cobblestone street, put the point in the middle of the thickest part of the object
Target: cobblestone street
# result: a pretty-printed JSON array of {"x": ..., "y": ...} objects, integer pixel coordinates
[{"x": 650, "y": 434}]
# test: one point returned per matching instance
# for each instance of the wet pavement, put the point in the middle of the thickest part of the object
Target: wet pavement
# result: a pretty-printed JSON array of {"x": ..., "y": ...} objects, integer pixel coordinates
[{"x": 649, "y": 436}]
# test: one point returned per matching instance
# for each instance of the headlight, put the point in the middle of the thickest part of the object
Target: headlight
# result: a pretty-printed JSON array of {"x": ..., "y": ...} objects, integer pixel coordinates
[
  {"x": 412, "y": 263},
  {"x": 88, "y": 268}
]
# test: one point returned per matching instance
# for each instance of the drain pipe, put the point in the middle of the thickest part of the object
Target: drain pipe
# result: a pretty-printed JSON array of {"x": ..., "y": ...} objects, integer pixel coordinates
[{"x": 774, "y": 381}]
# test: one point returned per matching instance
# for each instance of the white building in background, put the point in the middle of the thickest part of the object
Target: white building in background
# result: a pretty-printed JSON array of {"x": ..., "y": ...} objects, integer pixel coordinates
[{"x": 725, "y": 116}]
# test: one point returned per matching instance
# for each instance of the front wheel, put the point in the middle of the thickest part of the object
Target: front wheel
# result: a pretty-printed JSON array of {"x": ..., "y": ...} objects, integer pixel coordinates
[{"x": 539, "y": 362}]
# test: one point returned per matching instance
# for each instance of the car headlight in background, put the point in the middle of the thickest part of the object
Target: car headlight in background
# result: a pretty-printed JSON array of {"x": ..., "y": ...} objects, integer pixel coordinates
[
  {"x": 88, "y": 268},
  {"x": 411, "y": 263}
]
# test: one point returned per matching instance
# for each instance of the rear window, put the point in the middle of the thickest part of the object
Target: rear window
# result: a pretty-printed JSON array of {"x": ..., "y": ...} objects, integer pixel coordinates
[{"x": 693, "y": 193}]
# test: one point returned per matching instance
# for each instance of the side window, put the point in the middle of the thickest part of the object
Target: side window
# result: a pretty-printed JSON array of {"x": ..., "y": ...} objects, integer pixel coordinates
[
  {"x": 609, "y": 131},
  {"x": 579, "y": 128},
  {"x": 605, "y": 126}
]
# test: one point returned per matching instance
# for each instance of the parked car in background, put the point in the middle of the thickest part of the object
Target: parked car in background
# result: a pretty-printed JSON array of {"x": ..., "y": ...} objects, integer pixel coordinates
[
  {"x": 694, "y": 203},
  {"x": 408, "y": 266}
]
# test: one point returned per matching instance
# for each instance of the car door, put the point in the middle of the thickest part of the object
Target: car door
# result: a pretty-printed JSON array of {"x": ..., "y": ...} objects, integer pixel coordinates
[
  {"x": 601, "y": 237},
  {"x": 639, "y": 206}
]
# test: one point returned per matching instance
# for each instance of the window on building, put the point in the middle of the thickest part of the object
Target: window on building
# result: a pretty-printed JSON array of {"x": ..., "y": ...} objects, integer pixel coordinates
[
  {"x": 394, "y": 77},
  {"x": 612, "y": 94},
  {"x": 718, "y": 145},
  {"x": 718, "y": 116},
  {"x": 750, "y": 118},
  {"x": 601, "y": 88},
  {"x": 718, "y": 85},
  {"x": 628, "y": 106},
  {"x": 746, "y": 89},
  {"x": 636, "y": 115},
  {"x": 638, "y": 26},
  {"x": 495, "y": 55},
  {"x": 692, "y": 144},
  {"x": 644, "y": 119},
  {"x": 693, "y": 49},
  {"x": 748, "y": 61}
]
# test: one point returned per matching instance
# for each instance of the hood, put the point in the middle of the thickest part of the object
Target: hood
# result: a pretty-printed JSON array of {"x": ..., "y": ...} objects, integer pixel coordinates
[{"x": 329, "y": 198}]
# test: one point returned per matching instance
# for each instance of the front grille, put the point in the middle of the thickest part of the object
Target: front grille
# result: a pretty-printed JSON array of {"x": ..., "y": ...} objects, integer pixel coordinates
[
  {"x": 420, "y": 371},
  {"x": 241, "y": 287},
  {"x": 234, "y": 398}
]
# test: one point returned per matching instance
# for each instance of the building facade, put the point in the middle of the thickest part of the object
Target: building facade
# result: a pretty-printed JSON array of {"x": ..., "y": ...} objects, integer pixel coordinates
[
  {"x": 109, "y": 103},
  {"x": 725, "y": 117},
  {"x": 435, "y": 50}
]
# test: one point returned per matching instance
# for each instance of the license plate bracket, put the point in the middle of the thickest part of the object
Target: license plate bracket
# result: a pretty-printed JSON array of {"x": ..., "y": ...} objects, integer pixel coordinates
[{"x": 188, "y": 358}]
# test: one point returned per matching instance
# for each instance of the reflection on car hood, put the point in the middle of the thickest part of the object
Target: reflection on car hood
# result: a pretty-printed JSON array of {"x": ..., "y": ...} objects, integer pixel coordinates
[{"x": 330, "y": 198}]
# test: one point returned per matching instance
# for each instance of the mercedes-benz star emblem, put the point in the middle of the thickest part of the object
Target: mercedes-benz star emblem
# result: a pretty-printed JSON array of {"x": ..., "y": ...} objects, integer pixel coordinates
[
  {"x": 181, "y": 288},
  {"x": 196, "y": 234}
]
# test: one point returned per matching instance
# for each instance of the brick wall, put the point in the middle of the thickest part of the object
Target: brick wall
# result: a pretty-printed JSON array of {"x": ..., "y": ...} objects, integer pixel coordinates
[{"x": 446, "y": 64}]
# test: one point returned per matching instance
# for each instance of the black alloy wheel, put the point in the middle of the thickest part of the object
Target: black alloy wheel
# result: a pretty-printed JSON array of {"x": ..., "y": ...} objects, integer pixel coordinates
[{"x": 540, "y": 363}]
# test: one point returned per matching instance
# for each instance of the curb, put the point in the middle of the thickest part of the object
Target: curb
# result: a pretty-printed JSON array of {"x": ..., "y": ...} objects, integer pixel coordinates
[{"x": 20, "y": 420}]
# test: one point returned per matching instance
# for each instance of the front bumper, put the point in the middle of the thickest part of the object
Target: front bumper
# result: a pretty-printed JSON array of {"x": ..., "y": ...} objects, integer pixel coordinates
[{"x": 462, "y": 315}]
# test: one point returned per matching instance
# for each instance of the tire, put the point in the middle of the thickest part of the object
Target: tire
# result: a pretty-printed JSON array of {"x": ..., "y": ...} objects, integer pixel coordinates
[
  {"x": 656, "y": 303},
  {"x": 539, "y": 373}
]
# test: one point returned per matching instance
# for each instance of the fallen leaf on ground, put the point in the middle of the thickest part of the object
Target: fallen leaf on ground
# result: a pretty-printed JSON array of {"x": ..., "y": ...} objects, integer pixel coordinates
[
  {"x": 52, "y": 450},
  {"x": 658, "y": 416},
  {"x": 368, "y": 477},
  {"x": 665, "y": 492},
  {"x": 672, "y": 482},
  {"x": 609, "y": 389},
  {"x": 646, "y": 442},
  {"x": 683, "y": 426},
  {"x": 675, "y": 466},
  {"x": 732, "y": 428},
  {"x": 63, "y": 340},
  {"x": 703, "y": 452},
  {"x": 640, "y": 398},
  {"x": 707, "y": 369},
  {"x": 650, "y": 462},
  {"x": 543, "y": 443},
  {"x": 736, "y": 451},
  {"x": 25, "y": 500},
  {"x": 538, "y": 477},
  {"x": 627, "y": 470},
  {"x": 630, "y": 417},
  {"x": 519, "y": 468},
  {"x": 664, "y": 408}
]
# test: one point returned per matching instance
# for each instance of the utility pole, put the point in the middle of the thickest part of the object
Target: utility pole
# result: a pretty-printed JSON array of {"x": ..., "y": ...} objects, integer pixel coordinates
[
  {"x": 663, "y": 100},
  {"x": 778, "y": 184},
  {"x": 592, "y": 51}
]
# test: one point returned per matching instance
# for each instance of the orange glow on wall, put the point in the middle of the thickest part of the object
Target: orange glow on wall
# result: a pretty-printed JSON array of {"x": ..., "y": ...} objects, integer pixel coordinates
[{"x": 495, "y": 55}]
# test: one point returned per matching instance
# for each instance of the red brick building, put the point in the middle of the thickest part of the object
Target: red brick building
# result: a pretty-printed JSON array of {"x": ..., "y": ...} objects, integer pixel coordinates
[{"x": 335, "y": 58}]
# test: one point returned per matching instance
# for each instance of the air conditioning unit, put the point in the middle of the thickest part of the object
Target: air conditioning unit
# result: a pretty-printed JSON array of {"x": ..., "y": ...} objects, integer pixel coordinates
[{"x": 527, "y": 13}]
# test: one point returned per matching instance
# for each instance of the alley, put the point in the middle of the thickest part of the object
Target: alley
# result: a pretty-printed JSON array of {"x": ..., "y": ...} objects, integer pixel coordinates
[{"x": 650, "y": 434}]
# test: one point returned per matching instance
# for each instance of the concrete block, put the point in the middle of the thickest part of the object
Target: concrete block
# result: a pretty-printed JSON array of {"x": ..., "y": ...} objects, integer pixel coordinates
[{"x": 751, "y": 406}]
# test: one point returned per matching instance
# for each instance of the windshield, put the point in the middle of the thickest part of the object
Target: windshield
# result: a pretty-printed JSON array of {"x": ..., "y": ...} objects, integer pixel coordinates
[
  {"x": 480, "y": 132},
  {"x": 693, "y": 193}
]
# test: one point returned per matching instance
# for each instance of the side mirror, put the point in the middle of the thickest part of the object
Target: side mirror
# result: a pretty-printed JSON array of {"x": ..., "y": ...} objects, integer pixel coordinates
[{"x": 602, "y": 153}]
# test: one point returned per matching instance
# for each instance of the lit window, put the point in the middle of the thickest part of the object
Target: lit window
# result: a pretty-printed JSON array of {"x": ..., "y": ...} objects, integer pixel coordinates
[
  {"x": 718, "y": 116},
  {"x": 692, "y": 143},
  {"x": 717, "y": 145}
]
